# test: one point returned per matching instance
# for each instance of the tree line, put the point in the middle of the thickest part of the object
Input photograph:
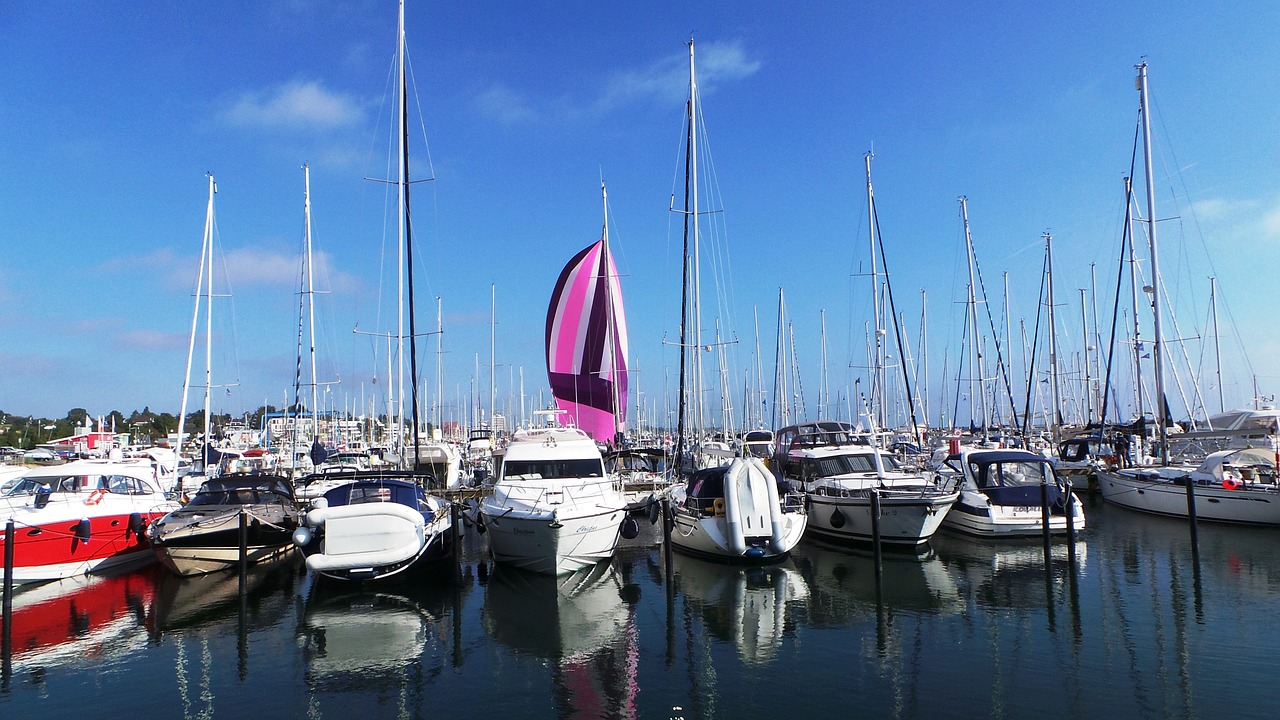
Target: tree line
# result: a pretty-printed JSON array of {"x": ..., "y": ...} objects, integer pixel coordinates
[{"x": 143, "y": 426}]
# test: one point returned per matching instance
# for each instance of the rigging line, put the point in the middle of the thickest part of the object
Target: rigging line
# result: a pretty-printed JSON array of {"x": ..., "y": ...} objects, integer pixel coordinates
[
  {"x": 1035, "y": 340},
  {"x": 995, "y": 337},
  {"x": 897, "y": 330},
  {"x": 1125, "y": 239}
]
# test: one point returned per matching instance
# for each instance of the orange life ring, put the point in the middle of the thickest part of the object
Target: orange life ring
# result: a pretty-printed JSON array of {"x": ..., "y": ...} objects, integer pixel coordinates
[
  {"x": 95, "y": 497},
  {"x": 1231, "y": 483}
]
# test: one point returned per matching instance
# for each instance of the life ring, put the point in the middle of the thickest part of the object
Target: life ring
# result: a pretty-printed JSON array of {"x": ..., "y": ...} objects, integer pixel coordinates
[
  {"x": 717, "y": 507},
  {"x": 1230, "y": 483},
  {"x": 95, "y": 497}
]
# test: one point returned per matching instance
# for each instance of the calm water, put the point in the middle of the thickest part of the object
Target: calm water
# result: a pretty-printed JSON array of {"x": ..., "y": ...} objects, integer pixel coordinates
[{"x": 969, "y": 630}]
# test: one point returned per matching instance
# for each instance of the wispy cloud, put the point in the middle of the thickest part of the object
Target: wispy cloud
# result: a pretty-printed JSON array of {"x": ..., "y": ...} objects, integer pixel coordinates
[
  {"x": 150, "y": 340},
  {"x": 242, "y": 267},
  {"x": 664, "y": 81},
  {"x": 505, "y": 105},
  {"x": 292, "y": 105}
]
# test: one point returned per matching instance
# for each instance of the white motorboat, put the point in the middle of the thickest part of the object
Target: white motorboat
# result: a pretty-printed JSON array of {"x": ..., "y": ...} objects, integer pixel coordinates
[
  {"x": 553, "y": 509},
  {"x": 844, "y": 480},
  {"x": 735, "y": 513},
  {"x": 1003, "y": 494}
]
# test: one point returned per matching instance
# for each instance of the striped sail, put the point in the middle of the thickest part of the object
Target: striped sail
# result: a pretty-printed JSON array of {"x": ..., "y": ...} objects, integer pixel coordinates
[{"x": 587, "y": 345}]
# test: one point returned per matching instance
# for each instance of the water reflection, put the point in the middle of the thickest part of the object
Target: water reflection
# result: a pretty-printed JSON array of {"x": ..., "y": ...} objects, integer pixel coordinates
[
  {"x": 747, "y": 606},
  {"x": 79, "y": 621},
  {"x": 582, "y": 623},
  {"x": 365, "y": 640},
  {"x": 208, "y": 600},
  {"x": 842, "y": 584},
  {"x": 1012, "y": 573}
]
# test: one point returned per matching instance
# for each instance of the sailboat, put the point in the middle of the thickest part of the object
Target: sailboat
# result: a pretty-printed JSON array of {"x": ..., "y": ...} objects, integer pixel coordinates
[
  {"x": 376, "y": 525},
  {"x": 1235, "y": 485},
  {"x": 731, "y": 512}
]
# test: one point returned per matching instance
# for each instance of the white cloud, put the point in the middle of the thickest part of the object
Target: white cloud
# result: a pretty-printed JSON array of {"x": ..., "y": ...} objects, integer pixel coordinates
[
  {"x": 664, "y": 81},
  {"x": 505, "y": 105},
  {"x": 667, "y": 80},
  {"x": 294, "y": 104},
  {"x": 150, "y": 340}
]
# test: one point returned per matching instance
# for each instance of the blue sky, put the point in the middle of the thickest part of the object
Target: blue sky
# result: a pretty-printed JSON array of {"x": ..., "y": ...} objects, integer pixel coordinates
[{"x": 114, "y": 112}]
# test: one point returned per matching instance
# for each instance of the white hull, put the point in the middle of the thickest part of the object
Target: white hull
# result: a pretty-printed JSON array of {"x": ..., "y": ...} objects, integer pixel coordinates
[
  {"x": 551, "y": 545},
  {"x": 709, "y": 537},
  {"x": 906, "y": 520},
  {"x": 972, "y": 515},
  {"x": 186, "y": 561},
  {"x": 1148, "y": 491}
]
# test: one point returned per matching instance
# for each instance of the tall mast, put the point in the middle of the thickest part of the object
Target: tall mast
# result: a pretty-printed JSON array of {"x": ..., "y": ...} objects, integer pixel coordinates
[
  {"x": 1217, "y": 351},
  {"x": 439, "y": 365},
  {"x": 311, "y": 308},
  {"x": 1133, "y": 291},
  {"x": 924, "y": 357},
  {"x": 699, "y": 419},
  {"x": 974, "y": 346},
  {"x": 206, "y": 263},
  {"x": 402, "y": 175},
  {"x": 610, "y": 341},
  {"x": 877, "y": 360},
  {"x": 1156, "y": 342},
  {"x": 1088, "y": 370},
  {"x": 1055, "y": 395}
]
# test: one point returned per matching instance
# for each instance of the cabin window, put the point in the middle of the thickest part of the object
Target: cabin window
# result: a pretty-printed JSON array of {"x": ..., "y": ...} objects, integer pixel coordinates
[{"x": 550, "y": 469}]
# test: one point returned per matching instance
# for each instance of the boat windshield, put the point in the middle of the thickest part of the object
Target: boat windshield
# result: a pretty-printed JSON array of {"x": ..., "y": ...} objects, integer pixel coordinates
[
  {"x": 551, "y": 469},
  {"x": 1016, "y": 473}
]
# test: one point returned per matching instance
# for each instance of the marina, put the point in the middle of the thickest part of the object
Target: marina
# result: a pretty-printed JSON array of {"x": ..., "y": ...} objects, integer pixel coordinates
[
  {"x": 1139, "y": 627},
  {"x": 1058, "y": 498}
]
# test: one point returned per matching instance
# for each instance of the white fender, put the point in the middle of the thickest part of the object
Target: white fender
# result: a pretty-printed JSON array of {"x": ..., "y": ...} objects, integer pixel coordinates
[
  {"x": 735, "y": 476},
  {"x": 776, "y": 539}
]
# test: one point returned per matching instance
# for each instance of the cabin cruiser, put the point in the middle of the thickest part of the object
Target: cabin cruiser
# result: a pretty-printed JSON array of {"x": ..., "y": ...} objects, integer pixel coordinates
[
  {"x": 844, "y": 479},
  {"x": 376, "y": 526},
  {"x": 1001, "y": 493},
  {"x": 736, "y": 513},
  {"x": 204, "y": 535},
  {"x": 554, "y": 509},
  {"x": 80, "y": 517}
]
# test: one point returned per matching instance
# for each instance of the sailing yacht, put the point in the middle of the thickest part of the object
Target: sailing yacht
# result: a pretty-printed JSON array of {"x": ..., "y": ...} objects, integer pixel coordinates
[
  {"x": 1232, "y": 485},
  {"x": 382, "y": 524},
  {"x": 729, "y": 508}
]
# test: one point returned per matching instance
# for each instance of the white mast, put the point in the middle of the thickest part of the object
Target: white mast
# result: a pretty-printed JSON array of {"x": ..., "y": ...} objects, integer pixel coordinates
[
  {"x": 439, "y": 365},
  {"x": 697, "y": 384},
  {"x": 974, "y": 344},
  {"x": 1217, "y": 351},
  {"x": 402, "y": 113},
  {"x": 877, "y": 360},
  {"x": 206, "y": 265},
  {"x": 1055, "y": 408},
  {"x": 1156, "y": 342},
  {"x": 311, "y": 307}
]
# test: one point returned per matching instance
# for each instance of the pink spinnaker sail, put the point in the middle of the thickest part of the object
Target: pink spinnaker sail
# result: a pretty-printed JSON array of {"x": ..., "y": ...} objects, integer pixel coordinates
[{"x": 587, "y": 345}]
